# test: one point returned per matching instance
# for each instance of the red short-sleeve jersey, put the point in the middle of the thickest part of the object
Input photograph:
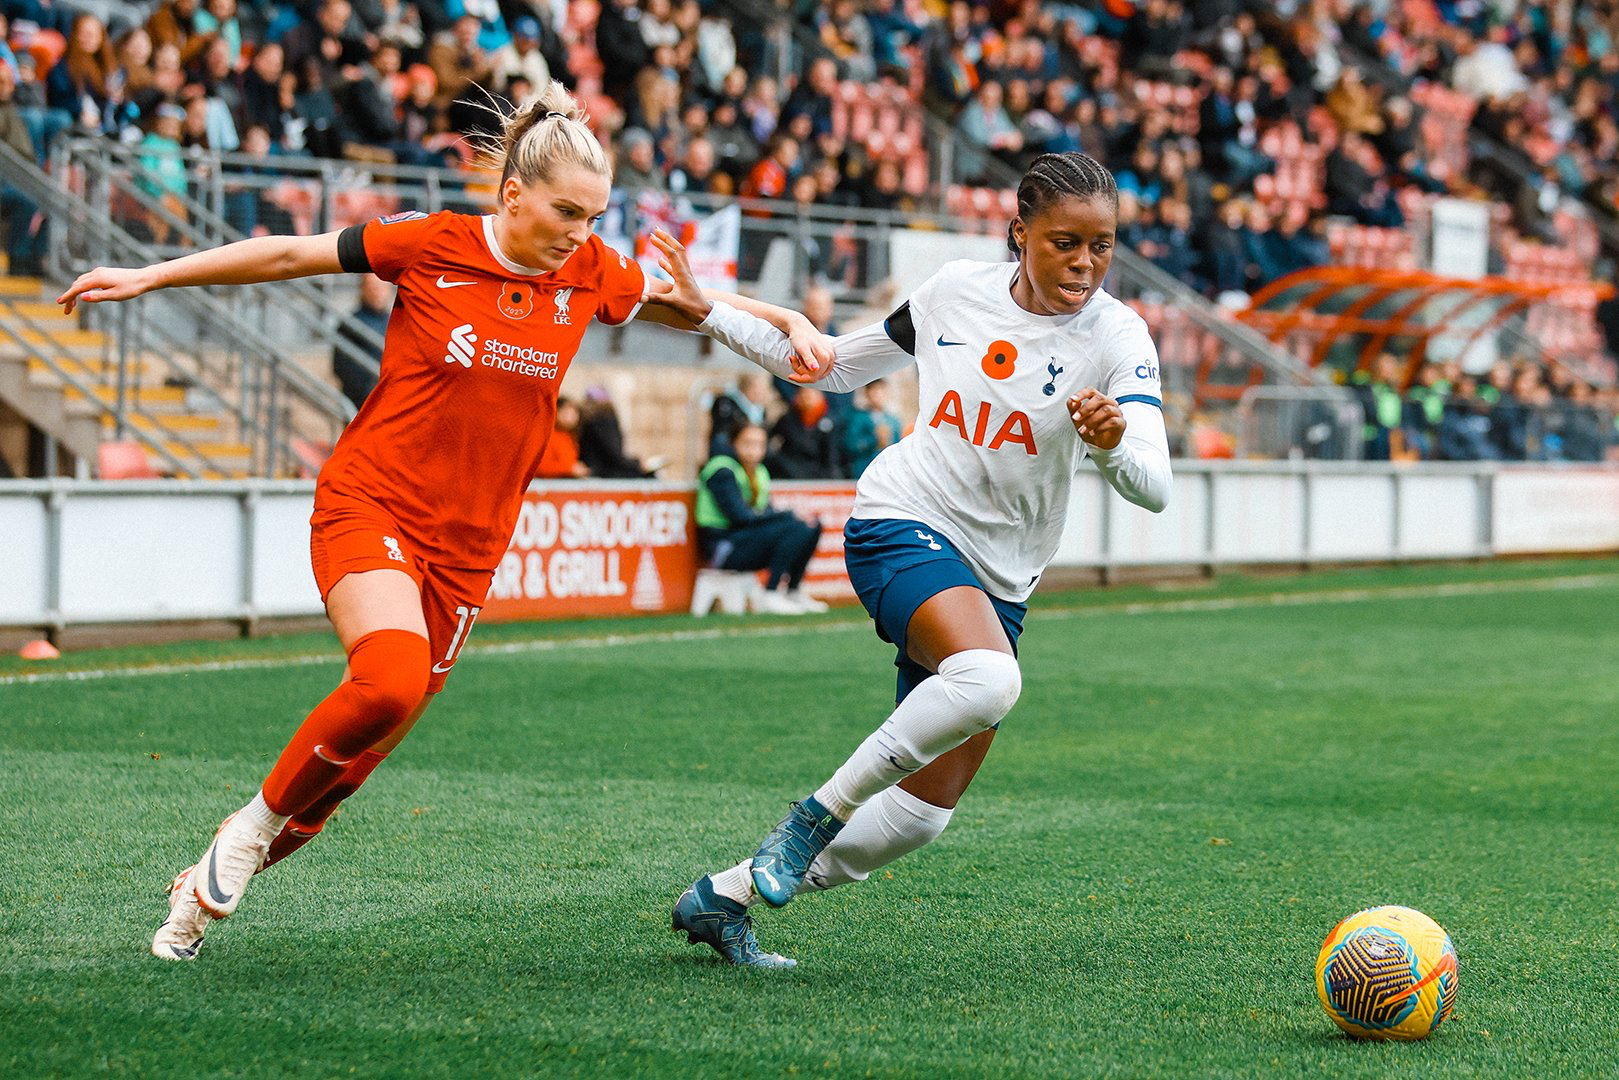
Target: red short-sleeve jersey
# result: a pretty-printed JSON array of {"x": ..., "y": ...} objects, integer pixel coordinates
[{"x": 476, "y": 349}]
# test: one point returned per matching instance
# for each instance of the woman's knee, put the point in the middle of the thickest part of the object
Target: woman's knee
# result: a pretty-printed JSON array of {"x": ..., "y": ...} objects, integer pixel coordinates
[
  {"x": 388, "y": 670},
  {"x": 985, "y": 681}
]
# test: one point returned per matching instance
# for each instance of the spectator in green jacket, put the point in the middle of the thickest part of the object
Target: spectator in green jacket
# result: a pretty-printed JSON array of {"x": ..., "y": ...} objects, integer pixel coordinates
[
  {"x": 738, "y": 530},
  {"x": 1424, "y": 410},
  {"x": 1379, "y": 391},
  {"x": 163, "y": 167}
]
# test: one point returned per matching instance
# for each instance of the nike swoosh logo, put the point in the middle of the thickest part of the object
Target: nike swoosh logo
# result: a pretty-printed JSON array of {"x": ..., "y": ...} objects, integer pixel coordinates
[
  {"x": 943, "y": 342},
  {"x": 452, "y": 284},
  {"x": 218, "y": 897},
  {"x": 440, "y": 669}
]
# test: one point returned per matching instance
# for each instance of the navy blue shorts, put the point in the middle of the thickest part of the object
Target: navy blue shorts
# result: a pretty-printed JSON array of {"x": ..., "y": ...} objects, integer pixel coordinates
[{"x": 895, "y": 567}]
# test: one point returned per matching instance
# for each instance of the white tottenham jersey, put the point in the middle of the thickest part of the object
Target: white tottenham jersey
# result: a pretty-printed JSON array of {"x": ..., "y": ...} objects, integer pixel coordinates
[{"x": 992, "y": 458}]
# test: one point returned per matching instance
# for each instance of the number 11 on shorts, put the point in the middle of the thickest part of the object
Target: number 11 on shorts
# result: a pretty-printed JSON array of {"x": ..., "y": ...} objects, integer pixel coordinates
[{"x": 465, "y": 617}]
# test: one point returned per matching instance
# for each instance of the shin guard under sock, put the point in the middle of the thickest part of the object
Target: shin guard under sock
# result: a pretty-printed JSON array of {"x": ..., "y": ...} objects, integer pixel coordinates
[{"x": 388, "y": 672}]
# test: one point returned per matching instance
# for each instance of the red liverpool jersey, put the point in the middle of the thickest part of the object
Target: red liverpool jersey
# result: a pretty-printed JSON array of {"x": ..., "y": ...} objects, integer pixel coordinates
[{"x": 477, "y": 346}]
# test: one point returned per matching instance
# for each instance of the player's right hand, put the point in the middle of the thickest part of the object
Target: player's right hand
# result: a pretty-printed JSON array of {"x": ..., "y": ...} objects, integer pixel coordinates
[{"x": 105, "y": 283}]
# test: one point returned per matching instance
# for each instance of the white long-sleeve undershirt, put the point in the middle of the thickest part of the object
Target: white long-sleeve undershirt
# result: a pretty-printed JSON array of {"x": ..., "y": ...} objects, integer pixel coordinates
[{"x": 1138, "y": 468}]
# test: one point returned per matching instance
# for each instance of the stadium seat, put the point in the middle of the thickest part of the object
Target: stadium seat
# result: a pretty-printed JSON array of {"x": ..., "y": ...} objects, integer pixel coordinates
[
  {"x": 1209, "y": 442},
  {"x": 915, "y": 177},
  {"x": 124, "y": 459},
  {"x": 311, "y": 456}
]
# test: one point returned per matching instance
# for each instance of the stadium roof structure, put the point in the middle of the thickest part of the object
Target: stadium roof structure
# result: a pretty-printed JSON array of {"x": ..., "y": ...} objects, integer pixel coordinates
[{"x": 1346, "y": 316}]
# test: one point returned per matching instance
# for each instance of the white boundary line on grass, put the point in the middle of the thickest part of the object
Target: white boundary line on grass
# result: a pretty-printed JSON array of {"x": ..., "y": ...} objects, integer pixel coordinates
[{"x": 607, "y": 641}]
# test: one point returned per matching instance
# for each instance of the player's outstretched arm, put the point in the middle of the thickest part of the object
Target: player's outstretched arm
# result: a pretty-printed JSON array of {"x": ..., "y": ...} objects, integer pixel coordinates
[
  {"x": 246, "y": 262},
  {"x": 749, "y": 327}
]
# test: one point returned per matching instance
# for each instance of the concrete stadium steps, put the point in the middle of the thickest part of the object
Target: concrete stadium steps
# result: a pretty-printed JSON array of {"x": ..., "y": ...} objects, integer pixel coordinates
[
  {"x": 192, "y": 427},
  {"x": 98, "y": 373},
  {"x": 162, "y": 400}
]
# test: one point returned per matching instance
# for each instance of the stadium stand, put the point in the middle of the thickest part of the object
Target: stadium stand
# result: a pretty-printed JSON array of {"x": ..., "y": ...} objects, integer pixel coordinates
[{"x": 1252, "y": 140}]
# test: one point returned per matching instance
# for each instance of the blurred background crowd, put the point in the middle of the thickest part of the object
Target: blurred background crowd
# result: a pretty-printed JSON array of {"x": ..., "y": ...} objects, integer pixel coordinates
[{"x": 1249, "y": 140}]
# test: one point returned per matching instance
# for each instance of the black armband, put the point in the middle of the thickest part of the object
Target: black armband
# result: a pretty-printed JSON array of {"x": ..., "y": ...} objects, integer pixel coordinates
[
  {"x": 351, "y": 250},
  {"x": 900, "y": 330}
]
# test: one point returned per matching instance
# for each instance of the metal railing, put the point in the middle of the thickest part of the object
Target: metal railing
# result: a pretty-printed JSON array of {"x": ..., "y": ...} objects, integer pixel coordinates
[
  {"x": 111, "y": 177},
  {"x": 36, "y": 342},
  {"x": 1300, "y": 423},
  {"x": 201, "y": 336},
  {"x": 783, "y": 245}
]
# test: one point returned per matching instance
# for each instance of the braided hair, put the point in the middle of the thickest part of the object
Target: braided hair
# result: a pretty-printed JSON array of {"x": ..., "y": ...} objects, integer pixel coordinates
[{"x": 1060, "y": 176}]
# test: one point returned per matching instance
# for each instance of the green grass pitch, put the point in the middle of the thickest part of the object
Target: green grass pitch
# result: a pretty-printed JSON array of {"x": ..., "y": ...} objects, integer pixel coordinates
[{"x": 1196, "y": 784}]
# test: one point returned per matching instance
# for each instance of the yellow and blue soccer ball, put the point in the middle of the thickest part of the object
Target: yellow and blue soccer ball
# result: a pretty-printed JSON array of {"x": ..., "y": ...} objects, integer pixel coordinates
[{"x": 1387, "y": 973}]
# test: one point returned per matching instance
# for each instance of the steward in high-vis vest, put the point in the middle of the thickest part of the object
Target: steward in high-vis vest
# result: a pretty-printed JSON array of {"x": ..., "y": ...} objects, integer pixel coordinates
[{"x": 737, "y": 529}]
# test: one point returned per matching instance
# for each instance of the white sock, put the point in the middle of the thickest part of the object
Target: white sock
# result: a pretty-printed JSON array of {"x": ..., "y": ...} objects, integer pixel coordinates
[
  {"x": 893, "y": 824},
  {"x": 259, "y": 813},
  {"x": 736, "y": 883},
  {"x": 973, "y": 690}
]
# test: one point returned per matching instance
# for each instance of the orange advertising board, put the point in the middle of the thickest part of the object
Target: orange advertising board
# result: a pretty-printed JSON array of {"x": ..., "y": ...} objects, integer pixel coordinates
[
  {"x": 830, "y": 501},
  {"x": 597, "y": 549},
  {"x": 630, "y": 548}
]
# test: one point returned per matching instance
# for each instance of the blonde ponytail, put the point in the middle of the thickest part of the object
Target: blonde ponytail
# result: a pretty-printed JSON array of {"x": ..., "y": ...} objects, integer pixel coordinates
[{"x": 546, "y": 131}]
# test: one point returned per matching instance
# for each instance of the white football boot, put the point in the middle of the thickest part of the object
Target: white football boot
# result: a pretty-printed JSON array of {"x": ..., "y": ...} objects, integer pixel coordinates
[
  {"x": 808, "y": 603},
  {"x": 775, "y": 602},
  {"x": 180, "y": 936},
  {"x": 230, "y": 862}
]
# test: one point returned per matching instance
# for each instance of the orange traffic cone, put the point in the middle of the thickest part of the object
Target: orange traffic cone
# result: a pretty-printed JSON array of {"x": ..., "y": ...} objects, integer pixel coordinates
[{"x": 39, "y": 649}]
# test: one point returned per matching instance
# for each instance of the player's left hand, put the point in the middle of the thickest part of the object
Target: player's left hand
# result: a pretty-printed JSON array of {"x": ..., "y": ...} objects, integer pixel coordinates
[
  {"x": 1097, "y": 418},
  {"x": 682, "y": 293},
  {"x": 813, "y": 352}
]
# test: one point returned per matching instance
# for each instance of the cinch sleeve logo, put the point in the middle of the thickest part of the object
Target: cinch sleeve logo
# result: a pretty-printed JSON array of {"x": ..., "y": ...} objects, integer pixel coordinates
[{"x": 462, "y": 345}]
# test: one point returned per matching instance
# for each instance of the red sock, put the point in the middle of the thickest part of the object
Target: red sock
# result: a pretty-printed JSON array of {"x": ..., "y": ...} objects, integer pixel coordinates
[
  {"x": 307, "y": 825},
  {"x": 387, "y": 678}
]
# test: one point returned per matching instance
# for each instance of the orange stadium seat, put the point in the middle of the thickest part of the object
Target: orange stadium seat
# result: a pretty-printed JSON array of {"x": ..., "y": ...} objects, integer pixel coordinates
[
  {"x": 301, "y": 201},
  {"x": 582, "y": 16},
  {"x": 311, "y": 455},
  {"x": 915, "y": 178},
  {"x": 123, "y": 460},
  {"x": 356, "y": 205}
]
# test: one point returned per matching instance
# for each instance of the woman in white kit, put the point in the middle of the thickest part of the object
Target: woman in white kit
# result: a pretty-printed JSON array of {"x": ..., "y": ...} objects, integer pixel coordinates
[{"x": 1025, "y": 368}]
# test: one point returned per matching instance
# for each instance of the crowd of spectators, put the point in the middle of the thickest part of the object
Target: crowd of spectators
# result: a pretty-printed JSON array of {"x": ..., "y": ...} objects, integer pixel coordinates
[
  {"x": 691, "y": 98},
  {"x": 1182, "y": 99},
  {"x": 1183, "y": 102},
  {"x": 1546, "y": 76},
  {"x": 811, "y": 435},
  {"x": 1519, "y": 411}
]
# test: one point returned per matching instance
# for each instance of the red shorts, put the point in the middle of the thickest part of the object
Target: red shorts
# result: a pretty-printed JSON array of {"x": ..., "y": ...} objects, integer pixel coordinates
[{"x": 348, "y": 536}]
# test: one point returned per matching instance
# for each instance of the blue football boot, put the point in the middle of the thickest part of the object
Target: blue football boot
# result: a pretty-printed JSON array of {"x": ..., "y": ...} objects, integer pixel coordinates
[
  {"x": 715, "y": 920},
  {"x": 785, "y": 856}
]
